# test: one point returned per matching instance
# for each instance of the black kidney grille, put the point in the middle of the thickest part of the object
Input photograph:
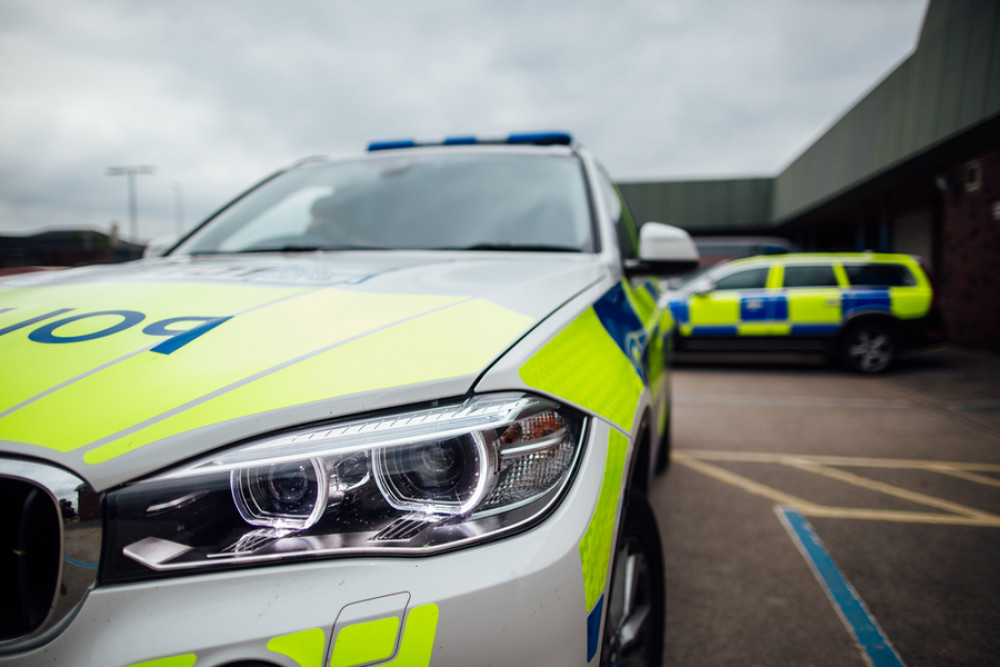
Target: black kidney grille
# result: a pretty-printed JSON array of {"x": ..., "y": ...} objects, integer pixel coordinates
[{"x": 30, "y": 553}]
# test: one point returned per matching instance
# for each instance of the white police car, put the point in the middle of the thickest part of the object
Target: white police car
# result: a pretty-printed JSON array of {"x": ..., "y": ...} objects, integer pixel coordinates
[{"x": 397, "y": 410}]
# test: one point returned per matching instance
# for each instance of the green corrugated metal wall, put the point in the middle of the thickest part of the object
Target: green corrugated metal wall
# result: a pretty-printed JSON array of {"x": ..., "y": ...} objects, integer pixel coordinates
[
  {"x": 702, "y": 206},
  {"x": 950, "y": 84}
]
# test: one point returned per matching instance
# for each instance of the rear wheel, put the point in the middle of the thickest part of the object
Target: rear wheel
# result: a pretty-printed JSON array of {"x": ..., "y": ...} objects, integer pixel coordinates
[
  {"x": 633, "y": 627},
  {"x": 868, "y": 347}
]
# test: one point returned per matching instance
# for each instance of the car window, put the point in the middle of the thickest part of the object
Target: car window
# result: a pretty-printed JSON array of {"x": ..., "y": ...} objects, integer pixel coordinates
[
  {"x": 745, "y": 279},
  {"x": 815, "y": 275},
  {"x": 879, "y": 275},
  {"x": 617, "y": 210},
  {"x": 461, "y": 200}
]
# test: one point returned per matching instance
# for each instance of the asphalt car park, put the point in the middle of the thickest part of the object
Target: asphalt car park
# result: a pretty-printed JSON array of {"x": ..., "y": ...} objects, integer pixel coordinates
[{"x": 817, "y": 517}]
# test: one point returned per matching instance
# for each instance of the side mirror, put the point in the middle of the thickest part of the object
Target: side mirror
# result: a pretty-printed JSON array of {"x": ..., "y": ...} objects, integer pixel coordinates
[
  {"x": 159, "y": 246},
  {"x": 664, "y": 250},
  {"x": 702, "y": 287}
]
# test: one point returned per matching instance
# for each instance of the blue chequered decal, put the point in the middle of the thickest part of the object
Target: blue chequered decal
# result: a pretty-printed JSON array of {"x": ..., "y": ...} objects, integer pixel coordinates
[
  {"x": 754, "y": 308},
  {"x": 763, "y": 307},
  {"x": 866, "y": 300},
  {"x": 679, "y": 309},
  {"x": 815, "y": 329},
  {"x": 714, "y": 331},
  {"x": 623, "y": 325},
  {"x": 594, "y": 628},
  {"x": 779, "y": 306}
]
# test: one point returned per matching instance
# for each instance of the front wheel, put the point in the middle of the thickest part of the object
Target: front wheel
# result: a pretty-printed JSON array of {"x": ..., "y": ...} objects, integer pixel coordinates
[
  {"x": 633, "y": 628},
  {"x": 663, "y": 455},
  {"x": 868, "y": 347}
]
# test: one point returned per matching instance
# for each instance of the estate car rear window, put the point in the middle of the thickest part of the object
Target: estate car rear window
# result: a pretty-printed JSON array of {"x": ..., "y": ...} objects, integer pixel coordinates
[
  {"x": 433, "y": 201},
  {"x": 879, "y": 275}
]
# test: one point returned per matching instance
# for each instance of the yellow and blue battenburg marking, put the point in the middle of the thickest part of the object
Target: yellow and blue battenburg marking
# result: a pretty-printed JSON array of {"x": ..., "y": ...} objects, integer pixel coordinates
[
  {"x": 597, "y": 542},
  {"x": 620, "y": 320},
  {"x": 769, "y": 306},
  {"x": 599, "y": 362}
]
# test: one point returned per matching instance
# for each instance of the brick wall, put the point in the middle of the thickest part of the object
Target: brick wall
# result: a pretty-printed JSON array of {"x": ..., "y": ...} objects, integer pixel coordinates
[{"x": 969, "y": 276}]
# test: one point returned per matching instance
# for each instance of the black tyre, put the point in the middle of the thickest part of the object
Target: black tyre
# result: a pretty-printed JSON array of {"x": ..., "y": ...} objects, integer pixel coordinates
[
  {"x": 663, "y": 455},
  {"x": 636, "y": 614},
  {"x": 868, "y": 347}
]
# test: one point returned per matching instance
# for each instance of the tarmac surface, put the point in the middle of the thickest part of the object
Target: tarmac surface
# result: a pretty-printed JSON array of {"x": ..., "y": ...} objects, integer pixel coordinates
[{"x": 816, "y": 517}]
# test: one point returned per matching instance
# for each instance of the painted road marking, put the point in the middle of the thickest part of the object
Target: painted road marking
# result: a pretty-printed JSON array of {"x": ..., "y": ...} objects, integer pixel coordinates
[
  {"x": 796, "y": 401},
  {"x": 846, "y": 601},
  {"x": 851, "y": 461},
  {"x": 953, "y": 513},
  {"x": 968, "y": 476},
  {"x": 832, "y": 402}
]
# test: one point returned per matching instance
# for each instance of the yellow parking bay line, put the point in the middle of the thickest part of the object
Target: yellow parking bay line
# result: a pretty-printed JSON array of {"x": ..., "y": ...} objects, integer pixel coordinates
[
  {"x": 967, "y": 476},
  {"x": 796, "y": 401},
  {"x": 956, "y": 514},
  {"x": 896, "y": 491},
  {"x": 742, "y": 482}
]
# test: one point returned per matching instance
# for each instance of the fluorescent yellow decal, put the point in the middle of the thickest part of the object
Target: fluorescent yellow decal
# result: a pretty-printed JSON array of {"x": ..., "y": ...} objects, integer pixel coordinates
[
  {"x": 641, "y": 301},
  {"x": 755, "y": 329},
  {"x": 40, "y": 366},
  {"x": 584, "y": 365},
  {"x": 910, "y": 302},
  {"x": 372, "y": 641},
  {"x": 775, "y": 277},
  {"x": 418, "y": 638},
  {"x": 715, "y": 308},
  {"x": 305, "y": 648},
  {"x": 186, "y": 660},
  {"x": 216, "y": 361},
  {"x": 595, "y": 547},
  {"x": 363, "y": 643},
  {"x": 465, "y": 337},
  {"x": 814, "y": 305}
]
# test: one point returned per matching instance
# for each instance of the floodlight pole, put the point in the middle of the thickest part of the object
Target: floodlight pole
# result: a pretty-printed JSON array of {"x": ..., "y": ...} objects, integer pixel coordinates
[{"x": 133, "y": 206}]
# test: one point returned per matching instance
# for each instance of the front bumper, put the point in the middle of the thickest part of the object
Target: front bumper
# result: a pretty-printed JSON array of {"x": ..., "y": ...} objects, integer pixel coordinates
[{"x": 517, "y": 601}]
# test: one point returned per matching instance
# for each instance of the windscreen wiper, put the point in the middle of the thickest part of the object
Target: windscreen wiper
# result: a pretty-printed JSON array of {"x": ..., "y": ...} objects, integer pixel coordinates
[
  {"x": 514, "y": 247},
  {"x": 289, "y": 248}
]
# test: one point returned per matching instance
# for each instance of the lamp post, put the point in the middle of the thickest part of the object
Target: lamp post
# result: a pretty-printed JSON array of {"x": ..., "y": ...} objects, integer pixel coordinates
[{"x": 133, "y": 209}]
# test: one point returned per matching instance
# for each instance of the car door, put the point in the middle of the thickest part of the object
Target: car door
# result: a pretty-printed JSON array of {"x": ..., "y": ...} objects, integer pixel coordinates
[
  {"x": 814, "y": 296},
  {"x": 738, "y": 304}
]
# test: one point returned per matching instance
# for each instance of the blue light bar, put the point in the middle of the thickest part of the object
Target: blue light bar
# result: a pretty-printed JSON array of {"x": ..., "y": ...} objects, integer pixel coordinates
[
  {"x": 541, "y": 138},
  {"x": 390, "y": 145},
  {"x": 521, "y": 139}
]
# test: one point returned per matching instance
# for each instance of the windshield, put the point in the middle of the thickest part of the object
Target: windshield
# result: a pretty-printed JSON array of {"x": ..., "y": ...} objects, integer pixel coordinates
[
  {"x": 686, "y": 282},
  {"x": 431, "y": 200}
]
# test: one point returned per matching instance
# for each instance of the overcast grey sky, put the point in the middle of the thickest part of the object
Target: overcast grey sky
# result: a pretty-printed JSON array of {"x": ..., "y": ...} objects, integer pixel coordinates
[{"x": 216, "y": 95}]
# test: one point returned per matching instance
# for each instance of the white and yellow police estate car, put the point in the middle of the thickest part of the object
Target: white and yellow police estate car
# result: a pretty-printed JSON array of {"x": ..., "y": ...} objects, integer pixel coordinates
[
  {"x": 859, "y": 308},
  {"x": 394, "y": 410}
]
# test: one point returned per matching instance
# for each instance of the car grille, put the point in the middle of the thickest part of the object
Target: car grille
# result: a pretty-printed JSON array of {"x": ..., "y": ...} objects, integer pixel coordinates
[
  {"x": 29, "y": 557},
  {"x": 49, "y": 544}
]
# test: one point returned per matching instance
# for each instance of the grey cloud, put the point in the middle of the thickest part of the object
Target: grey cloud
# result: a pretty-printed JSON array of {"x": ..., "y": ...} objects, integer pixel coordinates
[{"x": 217, "y": 95}]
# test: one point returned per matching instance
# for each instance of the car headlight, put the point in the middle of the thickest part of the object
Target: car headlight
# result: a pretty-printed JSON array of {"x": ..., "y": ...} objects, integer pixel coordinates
[{"x": 413, "y": 482}]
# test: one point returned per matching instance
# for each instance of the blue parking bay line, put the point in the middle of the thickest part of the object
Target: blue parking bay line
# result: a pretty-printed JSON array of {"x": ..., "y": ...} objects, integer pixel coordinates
[{"x": 846, "y": 601}]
